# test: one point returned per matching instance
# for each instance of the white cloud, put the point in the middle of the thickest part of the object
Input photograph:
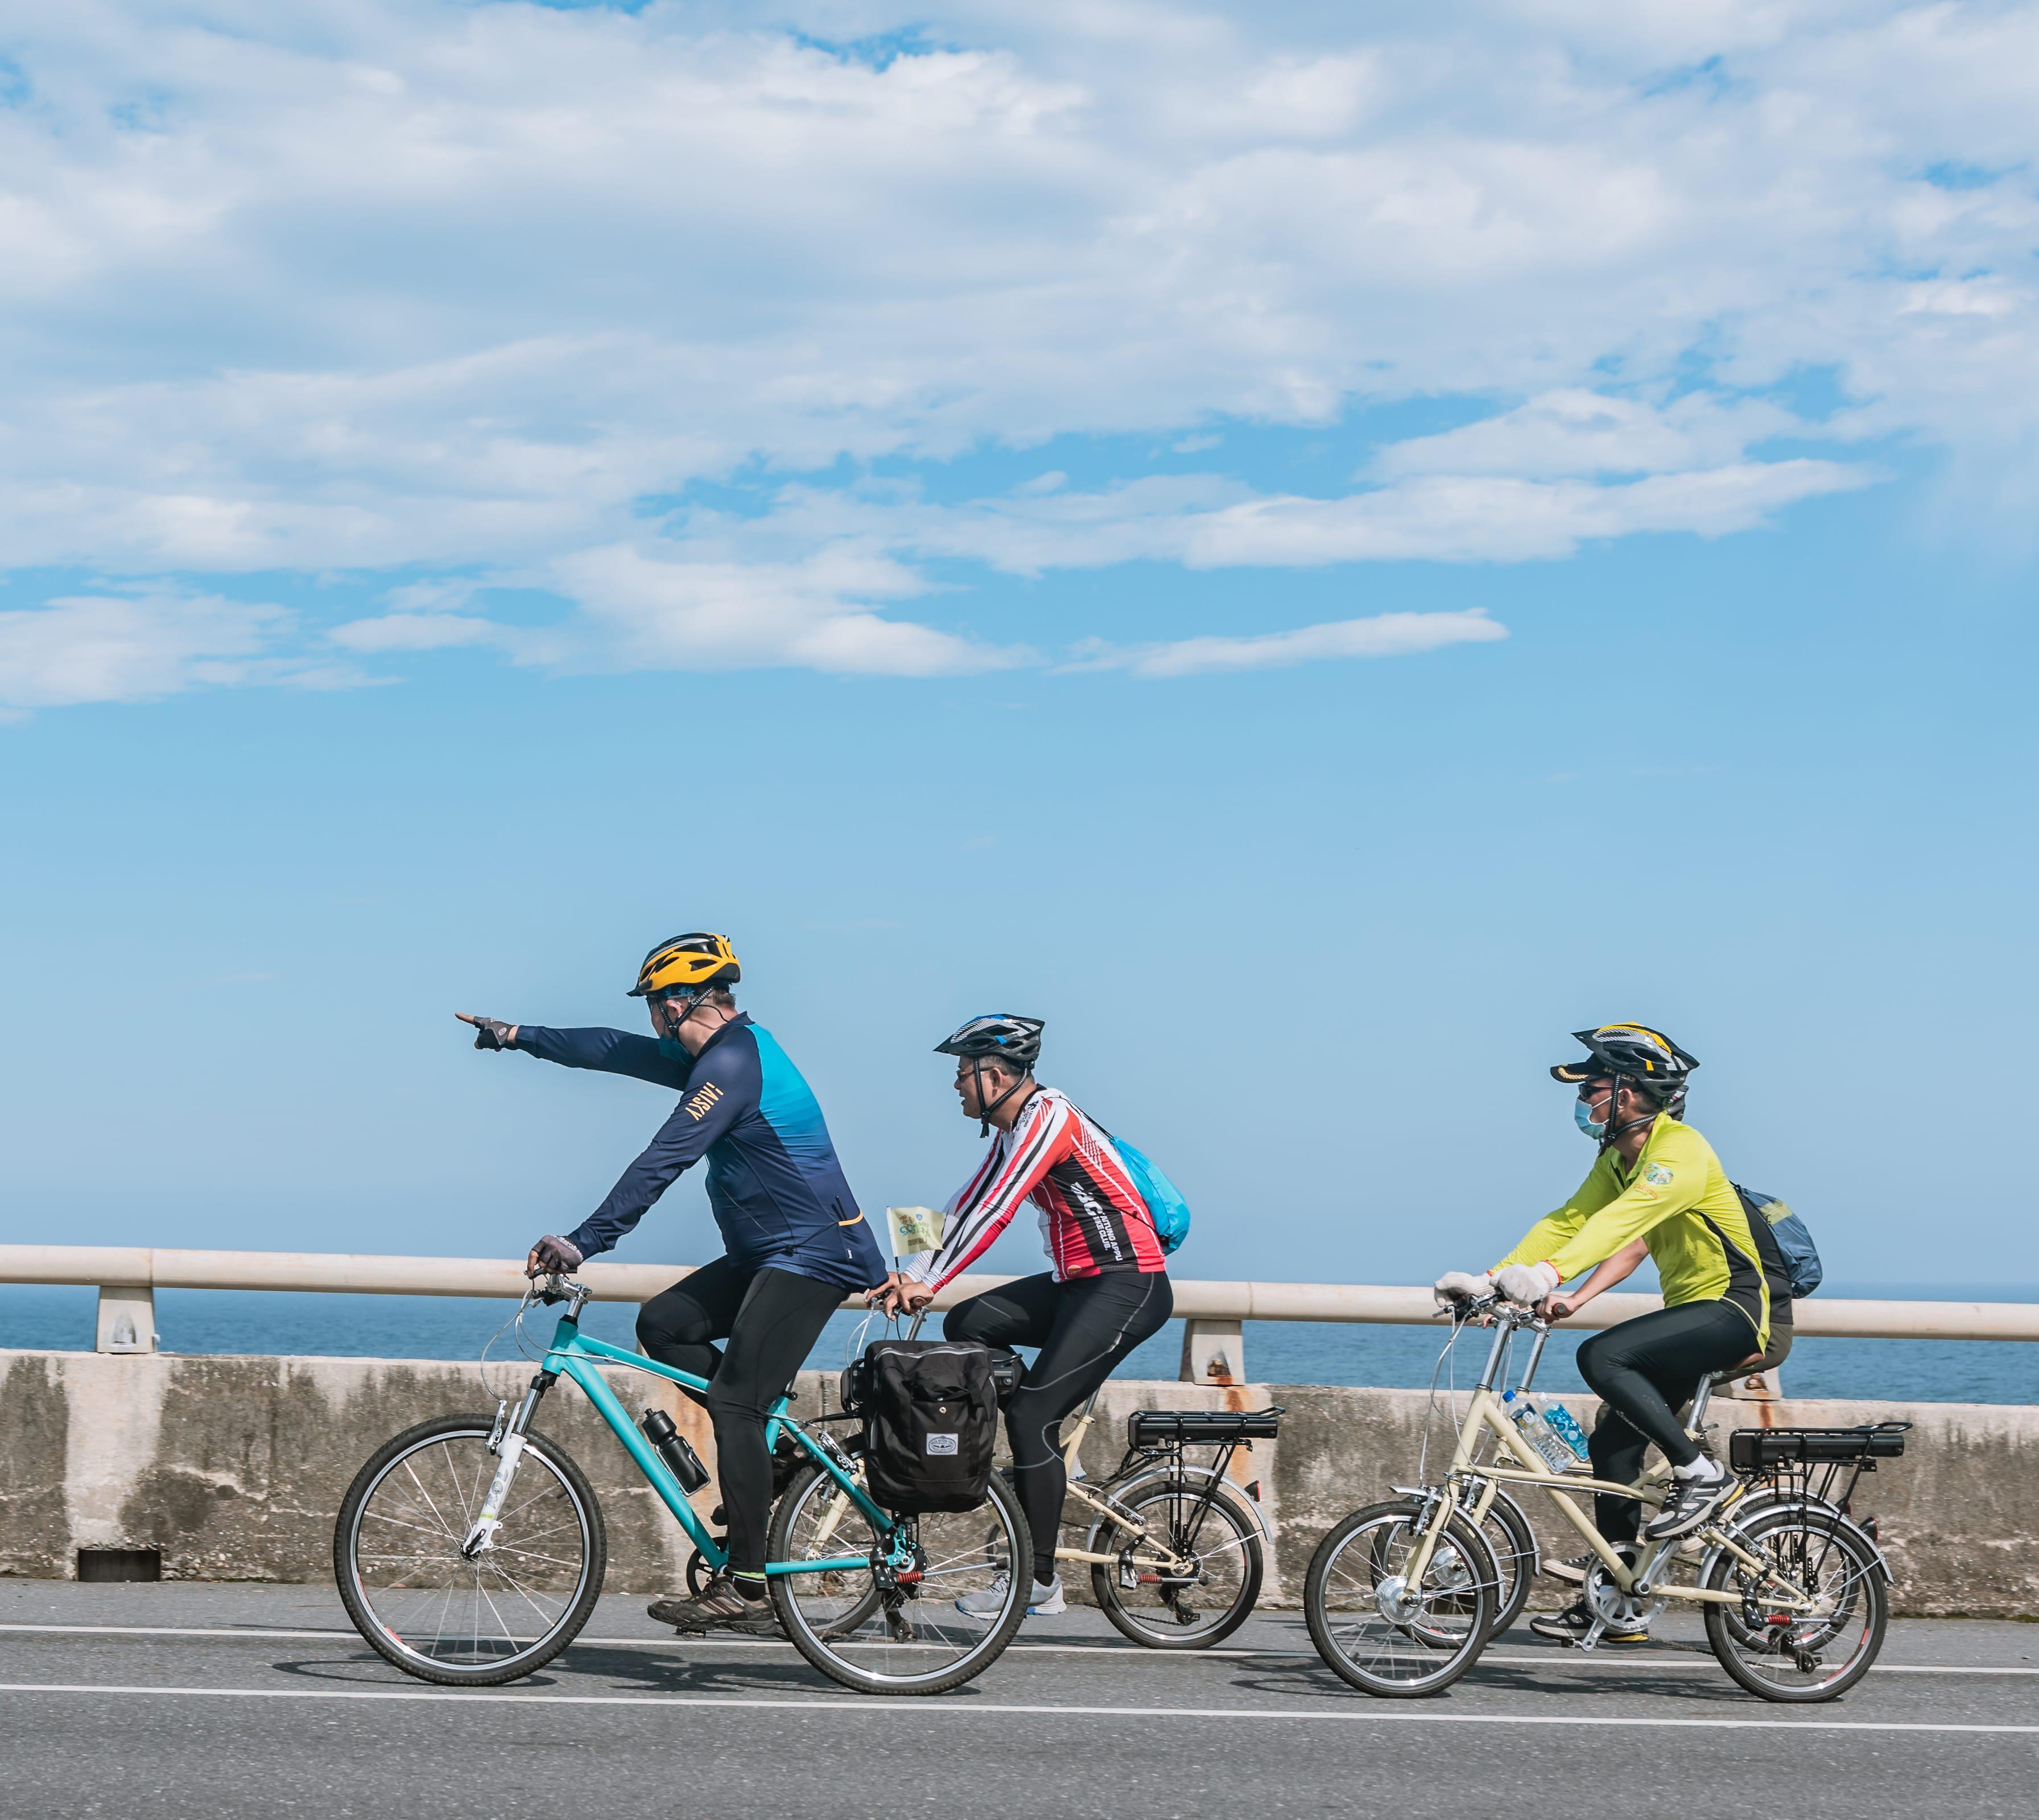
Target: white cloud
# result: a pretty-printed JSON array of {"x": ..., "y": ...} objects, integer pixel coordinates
[
  {"x": 138, "y": 647},
  {"x": 361, "y": 285},
  {"x": 1384, "y": 635},
  {"x": 1202, "y": 522},
  {"x": 656, "y": 612},
  {"x": 1572, "y": 430},
  {"x": 417, "y": 632}
]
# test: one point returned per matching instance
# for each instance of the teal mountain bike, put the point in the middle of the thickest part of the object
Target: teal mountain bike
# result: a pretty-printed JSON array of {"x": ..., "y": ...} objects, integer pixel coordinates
[{"x": 469, "y": 1551}]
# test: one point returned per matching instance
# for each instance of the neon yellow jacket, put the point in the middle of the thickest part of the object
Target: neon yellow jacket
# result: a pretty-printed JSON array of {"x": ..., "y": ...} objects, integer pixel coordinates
[{"x": 1680, "y": 1201}]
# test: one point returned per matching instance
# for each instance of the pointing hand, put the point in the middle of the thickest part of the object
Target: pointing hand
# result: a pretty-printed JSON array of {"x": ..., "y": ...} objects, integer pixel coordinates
[{"x": 489, "y": 1032}]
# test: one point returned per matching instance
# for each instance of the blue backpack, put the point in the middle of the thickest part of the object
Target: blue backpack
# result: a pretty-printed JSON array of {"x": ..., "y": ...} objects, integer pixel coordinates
[
  {"x": 1803, "y": 1269},
  {"x": 1165, "y": 1205}
]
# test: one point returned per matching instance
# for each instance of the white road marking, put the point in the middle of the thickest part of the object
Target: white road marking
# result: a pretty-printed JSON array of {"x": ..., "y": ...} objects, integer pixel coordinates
[
  {"x": 1568, "y": 1658},
  {"x": 848, "y": 1703}
]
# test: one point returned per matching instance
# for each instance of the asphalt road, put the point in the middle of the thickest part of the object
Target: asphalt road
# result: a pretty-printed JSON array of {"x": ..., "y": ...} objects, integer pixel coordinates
[{"x": 169, "y": 1701}]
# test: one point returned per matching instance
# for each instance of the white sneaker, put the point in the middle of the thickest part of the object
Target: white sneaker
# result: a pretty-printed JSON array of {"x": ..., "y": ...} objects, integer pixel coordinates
[
  {"x": 988, "y": 1601},
  {"x": 1046, "y": 1602}
]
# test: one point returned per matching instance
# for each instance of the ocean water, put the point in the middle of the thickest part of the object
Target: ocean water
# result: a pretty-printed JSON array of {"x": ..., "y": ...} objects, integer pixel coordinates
[{"x": 1277, "y": 1352}]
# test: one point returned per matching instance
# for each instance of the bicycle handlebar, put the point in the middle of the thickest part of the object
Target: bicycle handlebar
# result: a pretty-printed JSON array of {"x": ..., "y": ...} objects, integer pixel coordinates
[{"x": 1494, "y": 1307}]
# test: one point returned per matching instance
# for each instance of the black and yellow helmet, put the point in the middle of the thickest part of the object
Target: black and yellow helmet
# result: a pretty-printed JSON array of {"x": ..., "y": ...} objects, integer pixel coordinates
[
  {"x": 697, "y": 959},
  {"x": 1631, "y": 1052}
]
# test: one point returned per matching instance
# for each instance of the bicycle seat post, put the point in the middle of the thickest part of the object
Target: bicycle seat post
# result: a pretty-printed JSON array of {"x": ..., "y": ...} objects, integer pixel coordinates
[{"x": 1701, "y": 1398}]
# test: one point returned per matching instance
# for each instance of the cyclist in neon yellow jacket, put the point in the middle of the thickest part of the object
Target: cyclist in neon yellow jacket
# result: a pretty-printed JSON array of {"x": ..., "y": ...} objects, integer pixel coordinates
[{"x": 1657, "y": 1180}]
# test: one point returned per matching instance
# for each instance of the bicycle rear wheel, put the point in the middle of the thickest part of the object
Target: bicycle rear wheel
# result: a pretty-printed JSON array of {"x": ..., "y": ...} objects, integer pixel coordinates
[
  {"x": 1162, "y": 1607},
  {"x": 432, "y": 1611},
  {"x": 1379, "y": 1633},
  {"x": 1768, "y": 1641},
  {"x": 882, "y": 1633}
]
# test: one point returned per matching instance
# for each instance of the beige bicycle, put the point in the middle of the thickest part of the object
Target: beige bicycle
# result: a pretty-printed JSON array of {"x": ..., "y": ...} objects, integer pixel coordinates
[
  {"x": 1175, "y": 1549},
  {"x": 1401, "y": 1598}
]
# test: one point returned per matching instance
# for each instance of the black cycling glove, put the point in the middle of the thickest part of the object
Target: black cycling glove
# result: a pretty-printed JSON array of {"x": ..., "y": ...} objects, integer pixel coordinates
[
  {"x": 555, "y": 1255},
  {"x": 491, "y": 1032}
]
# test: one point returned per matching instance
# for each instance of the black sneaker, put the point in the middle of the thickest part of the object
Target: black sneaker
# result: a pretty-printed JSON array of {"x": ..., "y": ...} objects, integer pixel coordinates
[
  {"x": 717, "y": 1607},
  {"x": 1571, "y": 1624},
  {"x": 1691, "y": 1503},
  {"x": 1574, "y": 1570}
]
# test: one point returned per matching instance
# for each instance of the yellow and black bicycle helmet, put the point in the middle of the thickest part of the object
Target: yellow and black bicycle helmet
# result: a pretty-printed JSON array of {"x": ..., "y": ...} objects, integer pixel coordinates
[
  {"x": 1631, "y": 1052},
  {"x": 694, "y": 960}
]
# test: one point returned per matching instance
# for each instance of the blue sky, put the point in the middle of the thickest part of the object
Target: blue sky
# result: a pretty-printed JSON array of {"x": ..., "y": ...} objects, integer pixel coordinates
[{"x": 1319, "y": 558}]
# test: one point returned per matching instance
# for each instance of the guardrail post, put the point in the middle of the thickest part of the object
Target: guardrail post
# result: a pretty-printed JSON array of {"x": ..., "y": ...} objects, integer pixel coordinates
[
  {"x": 1213, "y": 1352},
  {"x": 126, "y": 1318},
  {"x": 1753, "y": 1387}
]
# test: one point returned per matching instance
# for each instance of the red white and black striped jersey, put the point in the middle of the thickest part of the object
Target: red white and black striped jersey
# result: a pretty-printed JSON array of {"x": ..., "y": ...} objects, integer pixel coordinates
[{"x": 1092, "y": 1218}]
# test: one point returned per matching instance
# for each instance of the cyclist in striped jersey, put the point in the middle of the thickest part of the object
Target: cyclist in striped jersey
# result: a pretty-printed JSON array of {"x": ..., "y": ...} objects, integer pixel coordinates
[{"x": 1107, "y": 1292}]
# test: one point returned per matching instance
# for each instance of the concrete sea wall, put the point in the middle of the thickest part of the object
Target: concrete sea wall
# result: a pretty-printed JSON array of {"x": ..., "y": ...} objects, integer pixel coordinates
[{"x": 233, "y": 1467}]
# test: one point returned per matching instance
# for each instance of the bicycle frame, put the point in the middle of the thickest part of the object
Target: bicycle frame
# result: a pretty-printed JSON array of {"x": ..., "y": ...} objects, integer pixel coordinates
[
  {"x": 1105, "y": 1505},
  {"x": 574, "y": 1354},
  {"x": 1484, "y": 1417}
]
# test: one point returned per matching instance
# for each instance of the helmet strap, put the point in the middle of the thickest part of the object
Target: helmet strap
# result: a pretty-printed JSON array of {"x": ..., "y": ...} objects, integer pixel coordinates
[
  {"x": 695, "y": 996},
  {"x": 1616, "y": 1133},
  {"x": 983, "y": 1112}
]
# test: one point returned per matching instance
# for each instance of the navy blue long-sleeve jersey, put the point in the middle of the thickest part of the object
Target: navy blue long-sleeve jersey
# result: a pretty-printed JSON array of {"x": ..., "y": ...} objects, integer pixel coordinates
[{"x": 774, "y": 1184}]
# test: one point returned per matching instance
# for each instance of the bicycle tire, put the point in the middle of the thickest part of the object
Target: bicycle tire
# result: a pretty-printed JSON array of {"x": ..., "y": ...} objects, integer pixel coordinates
[
  {"x": 1468, "y": 1604},
  {"x": 1860, "y": 1602},
  {"x": 1506, "y": 1532},
  {"x": 575, "y": 1504},
  {"x": 1250, "y": 1569},
  {"x": 831, "y": 1648}
]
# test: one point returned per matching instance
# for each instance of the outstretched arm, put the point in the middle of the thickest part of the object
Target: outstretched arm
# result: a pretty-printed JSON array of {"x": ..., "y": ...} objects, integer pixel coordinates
[{"x": 608, "y": 1051}]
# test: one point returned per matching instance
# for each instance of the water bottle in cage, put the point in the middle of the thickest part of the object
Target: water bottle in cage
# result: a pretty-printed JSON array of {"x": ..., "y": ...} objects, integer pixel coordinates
[{"x": 1553, "y": 1449}]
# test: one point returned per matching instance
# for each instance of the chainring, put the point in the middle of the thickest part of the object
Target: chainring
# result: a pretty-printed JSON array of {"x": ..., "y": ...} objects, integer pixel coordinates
[{"x": 1606, "y": 1601}]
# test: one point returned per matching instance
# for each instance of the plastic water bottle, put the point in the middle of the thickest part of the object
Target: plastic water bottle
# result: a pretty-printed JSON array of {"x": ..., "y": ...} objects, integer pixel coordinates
[
  {"x": 1555, "y": 1452},
  {"x": 1568, "y": 1430}
]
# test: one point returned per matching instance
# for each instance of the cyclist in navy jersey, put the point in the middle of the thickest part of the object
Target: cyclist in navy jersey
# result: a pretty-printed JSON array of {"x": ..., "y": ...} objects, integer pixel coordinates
[
  {"x": 1108, "y": 1291},
  {"x": 795, "y": 1242}
]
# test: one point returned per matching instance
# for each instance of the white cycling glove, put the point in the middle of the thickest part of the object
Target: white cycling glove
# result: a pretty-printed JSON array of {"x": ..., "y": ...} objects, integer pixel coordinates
[
  {"x": 1527, "y": 1283},
  {"x": 1460, "y": 1286}
]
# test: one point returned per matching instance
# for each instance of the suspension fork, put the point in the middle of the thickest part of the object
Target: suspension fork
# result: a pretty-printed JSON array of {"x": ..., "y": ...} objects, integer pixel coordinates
[{"x": 506, "y": 1442}]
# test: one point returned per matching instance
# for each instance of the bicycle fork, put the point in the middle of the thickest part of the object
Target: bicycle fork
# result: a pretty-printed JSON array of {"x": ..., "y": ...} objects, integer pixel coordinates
[{"x": 506, "y": 1440}]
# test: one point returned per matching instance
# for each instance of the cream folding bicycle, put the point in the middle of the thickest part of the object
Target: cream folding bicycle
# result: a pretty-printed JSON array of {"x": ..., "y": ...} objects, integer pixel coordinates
[{"x": 1402, "y": 1597}]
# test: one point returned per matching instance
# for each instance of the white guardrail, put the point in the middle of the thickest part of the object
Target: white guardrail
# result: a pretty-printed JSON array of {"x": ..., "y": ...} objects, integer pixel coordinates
[{"x": 126, "y": 1278}]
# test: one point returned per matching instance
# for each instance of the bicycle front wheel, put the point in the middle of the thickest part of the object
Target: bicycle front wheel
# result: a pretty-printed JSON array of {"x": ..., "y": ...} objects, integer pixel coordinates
[
  {"x": 882, "y": 1631},
  {"x": 1380, "y": 1631},
  {"x": 423, "y": 1604},
  {"x": 1810, "y": 1621},
  {"x": 1188, "y": 1567}
]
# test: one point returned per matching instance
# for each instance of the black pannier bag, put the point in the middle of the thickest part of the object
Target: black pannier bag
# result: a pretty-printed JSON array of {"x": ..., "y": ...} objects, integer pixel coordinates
[{"x": 930, "y": 1422}]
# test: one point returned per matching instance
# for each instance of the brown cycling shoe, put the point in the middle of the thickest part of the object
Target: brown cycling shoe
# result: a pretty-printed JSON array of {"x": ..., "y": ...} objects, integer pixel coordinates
[{"x": 717, "y": 1607}]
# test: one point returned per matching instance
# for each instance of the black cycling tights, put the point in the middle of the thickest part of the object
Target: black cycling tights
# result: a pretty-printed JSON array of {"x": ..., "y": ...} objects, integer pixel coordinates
[
  {"x": 1084, "y": 1329},
  {"x": 1645, "y": 1370},
  {"x": 771, "y": 1319}
]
